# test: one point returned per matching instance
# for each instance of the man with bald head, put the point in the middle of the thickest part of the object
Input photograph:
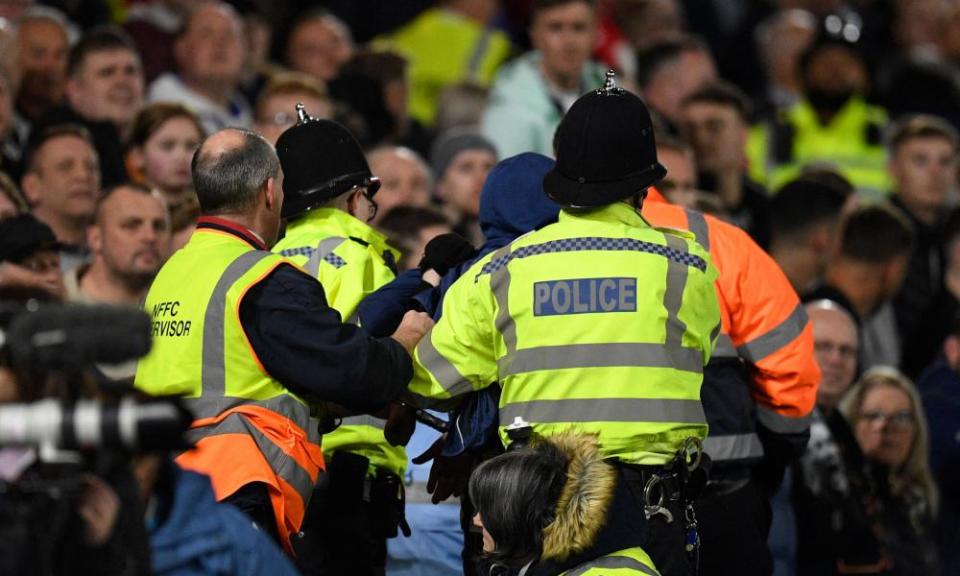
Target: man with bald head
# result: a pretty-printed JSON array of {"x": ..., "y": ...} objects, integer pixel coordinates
[
  {"x": 831, "y": 486},
  {"x": 248, "y": 338},
  {"x": 209, "y": 55},
  {"x": 129, "y": 240}
]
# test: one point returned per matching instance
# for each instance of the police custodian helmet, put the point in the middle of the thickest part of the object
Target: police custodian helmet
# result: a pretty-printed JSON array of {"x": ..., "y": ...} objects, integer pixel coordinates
[
  {"x": 321, "y": 160},
  {"x": 605, "y": 150}
]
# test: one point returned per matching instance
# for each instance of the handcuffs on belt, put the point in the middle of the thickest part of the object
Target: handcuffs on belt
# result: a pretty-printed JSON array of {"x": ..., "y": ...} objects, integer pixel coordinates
[{"x": 677, "y": 473}]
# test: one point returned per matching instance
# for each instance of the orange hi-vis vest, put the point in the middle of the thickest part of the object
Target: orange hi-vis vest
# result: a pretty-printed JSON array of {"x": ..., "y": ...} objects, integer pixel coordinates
[
  {"x": 764, "y": 324},
  {"x": 248, "y": 427}
]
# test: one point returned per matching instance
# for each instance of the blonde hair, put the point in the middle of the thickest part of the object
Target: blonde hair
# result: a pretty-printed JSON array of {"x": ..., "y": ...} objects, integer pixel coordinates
[{"x": 914, "y": 474}]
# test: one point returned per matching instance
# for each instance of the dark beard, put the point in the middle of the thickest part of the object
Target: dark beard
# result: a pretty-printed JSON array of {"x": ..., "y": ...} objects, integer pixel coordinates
[{"x": 828, "y": 102}]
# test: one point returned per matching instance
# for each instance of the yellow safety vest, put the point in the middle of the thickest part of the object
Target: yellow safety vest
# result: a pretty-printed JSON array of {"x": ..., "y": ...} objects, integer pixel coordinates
[
  {"x": 350, "y": 260},
  {"x": 248, "y": 427},
  {"x": 629, "y": 561},
  {"x": 599, "y": 322},
  {"x": 851, "y": 143},
  {"x": 445, "y": 48}
]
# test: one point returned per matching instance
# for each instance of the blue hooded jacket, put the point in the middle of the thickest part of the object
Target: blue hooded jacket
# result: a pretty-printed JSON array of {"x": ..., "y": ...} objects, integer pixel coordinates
[
  {"x": 512, "y": 204},
  {"x": 199, "y": 536}
]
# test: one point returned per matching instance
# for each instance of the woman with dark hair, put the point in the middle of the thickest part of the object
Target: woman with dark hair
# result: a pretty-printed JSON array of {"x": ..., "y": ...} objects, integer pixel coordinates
[{"x": 557, "y": 508}]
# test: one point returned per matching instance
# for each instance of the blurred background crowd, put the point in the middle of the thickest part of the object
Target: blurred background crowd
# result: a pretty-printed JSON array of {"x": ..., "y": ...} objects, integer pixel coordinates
[{"x": 827, "y": 129}]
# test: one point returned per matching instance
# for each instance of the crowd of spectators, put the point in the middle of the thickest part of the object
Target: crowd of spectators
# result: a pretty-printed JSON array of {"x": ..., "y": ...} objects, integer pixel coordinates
[{"x": 826, "y": 129}]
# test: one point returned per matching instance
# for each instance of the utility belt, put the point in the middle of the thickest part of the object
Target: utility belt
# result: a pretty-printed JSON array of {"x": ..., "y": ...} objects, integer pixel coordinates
[
  {"x": 383, "y": 492},
  {"x": 669, "y": 491}
]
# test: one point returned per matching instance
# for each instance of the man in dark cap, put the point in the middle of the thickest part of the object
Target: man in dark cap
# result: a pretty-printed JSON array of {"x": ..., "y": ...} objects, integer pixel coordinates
[
  {"x": 29, "y": 256},
  {"x": 599, "y": 322},
  {"x": 329, "y": 192}
]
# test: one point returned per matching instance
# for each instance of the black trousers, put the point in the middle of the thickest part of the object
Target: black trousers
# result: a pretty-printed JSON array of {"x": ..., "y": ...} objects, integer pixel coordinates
[
  {"x": 338, "y": 537},
  {"x": 733, "y": 532},
  {"x": 665, "y": 540}
]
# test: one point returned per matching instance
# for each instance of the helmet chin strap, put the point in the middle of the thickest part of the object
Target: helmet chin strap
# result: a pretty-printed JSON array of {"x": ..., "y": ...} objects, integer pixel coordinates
[{"x": 636, "y": 200}]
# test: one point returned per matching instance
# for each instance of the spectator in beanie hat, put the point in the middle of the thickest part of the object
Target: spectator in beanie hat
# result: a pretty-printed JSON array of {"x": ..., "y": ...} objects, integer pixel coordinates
[{"x": 461, "y": 159}]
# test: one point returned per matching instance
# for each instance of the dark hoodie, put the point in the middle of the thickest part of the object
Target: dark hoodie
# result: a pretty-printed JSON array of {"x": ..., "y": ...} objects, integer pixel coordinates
[{"x": 512, "y": 204}]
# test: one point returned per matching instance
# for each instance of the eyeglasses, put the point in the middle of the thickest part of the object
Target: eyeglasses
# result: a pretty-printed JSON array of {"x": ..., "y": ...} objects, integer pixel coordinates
[
  {"x": 373, "y": 203},
  {"x": 845, "y": 351},
  {"x": 897, "y": 420}
]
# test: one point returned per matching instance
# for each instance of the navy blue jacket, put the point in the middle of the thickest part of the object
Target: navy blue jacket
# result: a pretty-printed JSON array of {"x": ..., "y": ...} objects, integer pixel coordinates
[{"x": 939, "y": 387}]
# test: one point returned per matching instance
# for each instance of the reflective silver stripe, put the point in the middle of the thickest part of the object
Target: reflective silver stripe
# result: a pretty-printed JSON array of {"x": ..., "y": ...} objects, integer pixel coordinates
[
  {"x": 673, "y": 297},
  {"x": 698, "y": 225},
  {"x": 354, "y": 318},
  {"x": 476, "y": 57},
  {"x": 447, "y": 375},
  {"x": 364, "y": 420},
  {"x": 500, "y": 285},
  {"x": 733, "y": 447},
  {"x": 213, "y": 373},
  {"x": 612, "y": 563},
  {"x": 280, "y": 462},
  {"x": 725, "y": 348},
  {"x": 783, "y": 334},
  {"x": 780, "y": 423},
  {"x": 283, "y": 405},
  {"x": 326, "y": 247},
  {"x": 605, "y": 410},
  {"x": 640, "y": 355}
]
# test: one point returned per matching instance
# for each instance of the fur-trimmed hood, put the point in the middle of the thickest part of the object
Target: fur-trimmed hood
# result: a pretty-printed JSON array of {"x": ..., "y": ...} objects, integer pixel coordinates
[{"x": 585, "y": 499}]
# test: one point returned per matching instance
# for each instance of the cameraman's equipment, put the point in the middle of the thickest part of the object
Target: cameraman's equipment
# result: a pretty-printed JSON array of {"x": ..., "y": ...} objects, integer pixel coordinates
[
  {"x": 519, "y": 433},
  {"x": 156, "y": 424},
  {"x": 74, "y": 337}
]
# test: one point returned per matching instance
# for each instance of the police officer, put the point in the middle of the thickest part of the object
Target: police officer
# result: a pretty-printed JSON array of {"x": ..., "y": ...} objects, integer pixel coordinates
[
  {"x": 330, "y": 198},
  {"x": 250, "y": 341},
  {"x": 599, "y": 322}
]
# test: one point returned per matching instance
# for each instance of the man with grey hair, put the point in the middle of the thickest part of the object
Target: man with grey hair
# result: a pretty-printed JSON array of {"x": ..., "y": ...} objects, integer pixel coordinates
[
  {"x": 42, "y": 49},
  {"x": 250, "y": 341},
  {"x": 831, "y": 486}
]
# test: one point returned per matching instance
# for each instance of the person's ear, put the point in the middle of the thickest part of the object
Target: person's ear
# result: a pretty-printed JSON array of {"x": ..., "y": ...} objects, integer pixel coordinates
[
  {"x": 30, "y": 184},
  {"x": 94, "y": 238},
  {"x": 272, "y": 197},
  {"x": 137, "y": 158},
  {"x": 951, "y": 349},
  {"x": 353, "y": 202},
  {"x": 72, "y": 91}
]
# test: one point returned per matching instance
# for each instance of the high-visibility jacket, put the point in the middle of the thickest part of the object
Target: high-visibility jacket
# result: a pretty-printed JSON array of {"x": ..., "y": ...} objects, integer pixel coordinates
[
  {"x": 629, "y": 561},
  {"x": 248, "y": 427},
  {"x": 764, "y": 325},
  {"x": 351, "y": 260},
  {"x": 445, "y": 48},
  {"x": 852, "y": 142},
  {"x": 599, "y": 322}
]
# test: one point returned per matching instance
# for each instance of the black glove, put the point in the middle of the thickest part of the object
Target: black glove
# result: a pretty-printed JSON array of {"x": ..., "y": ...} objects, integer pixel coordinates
[
  {"x": 446, "y": 251},
  {"x": 401, "y": 421},
  {"x": 449, "y": 475}
]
